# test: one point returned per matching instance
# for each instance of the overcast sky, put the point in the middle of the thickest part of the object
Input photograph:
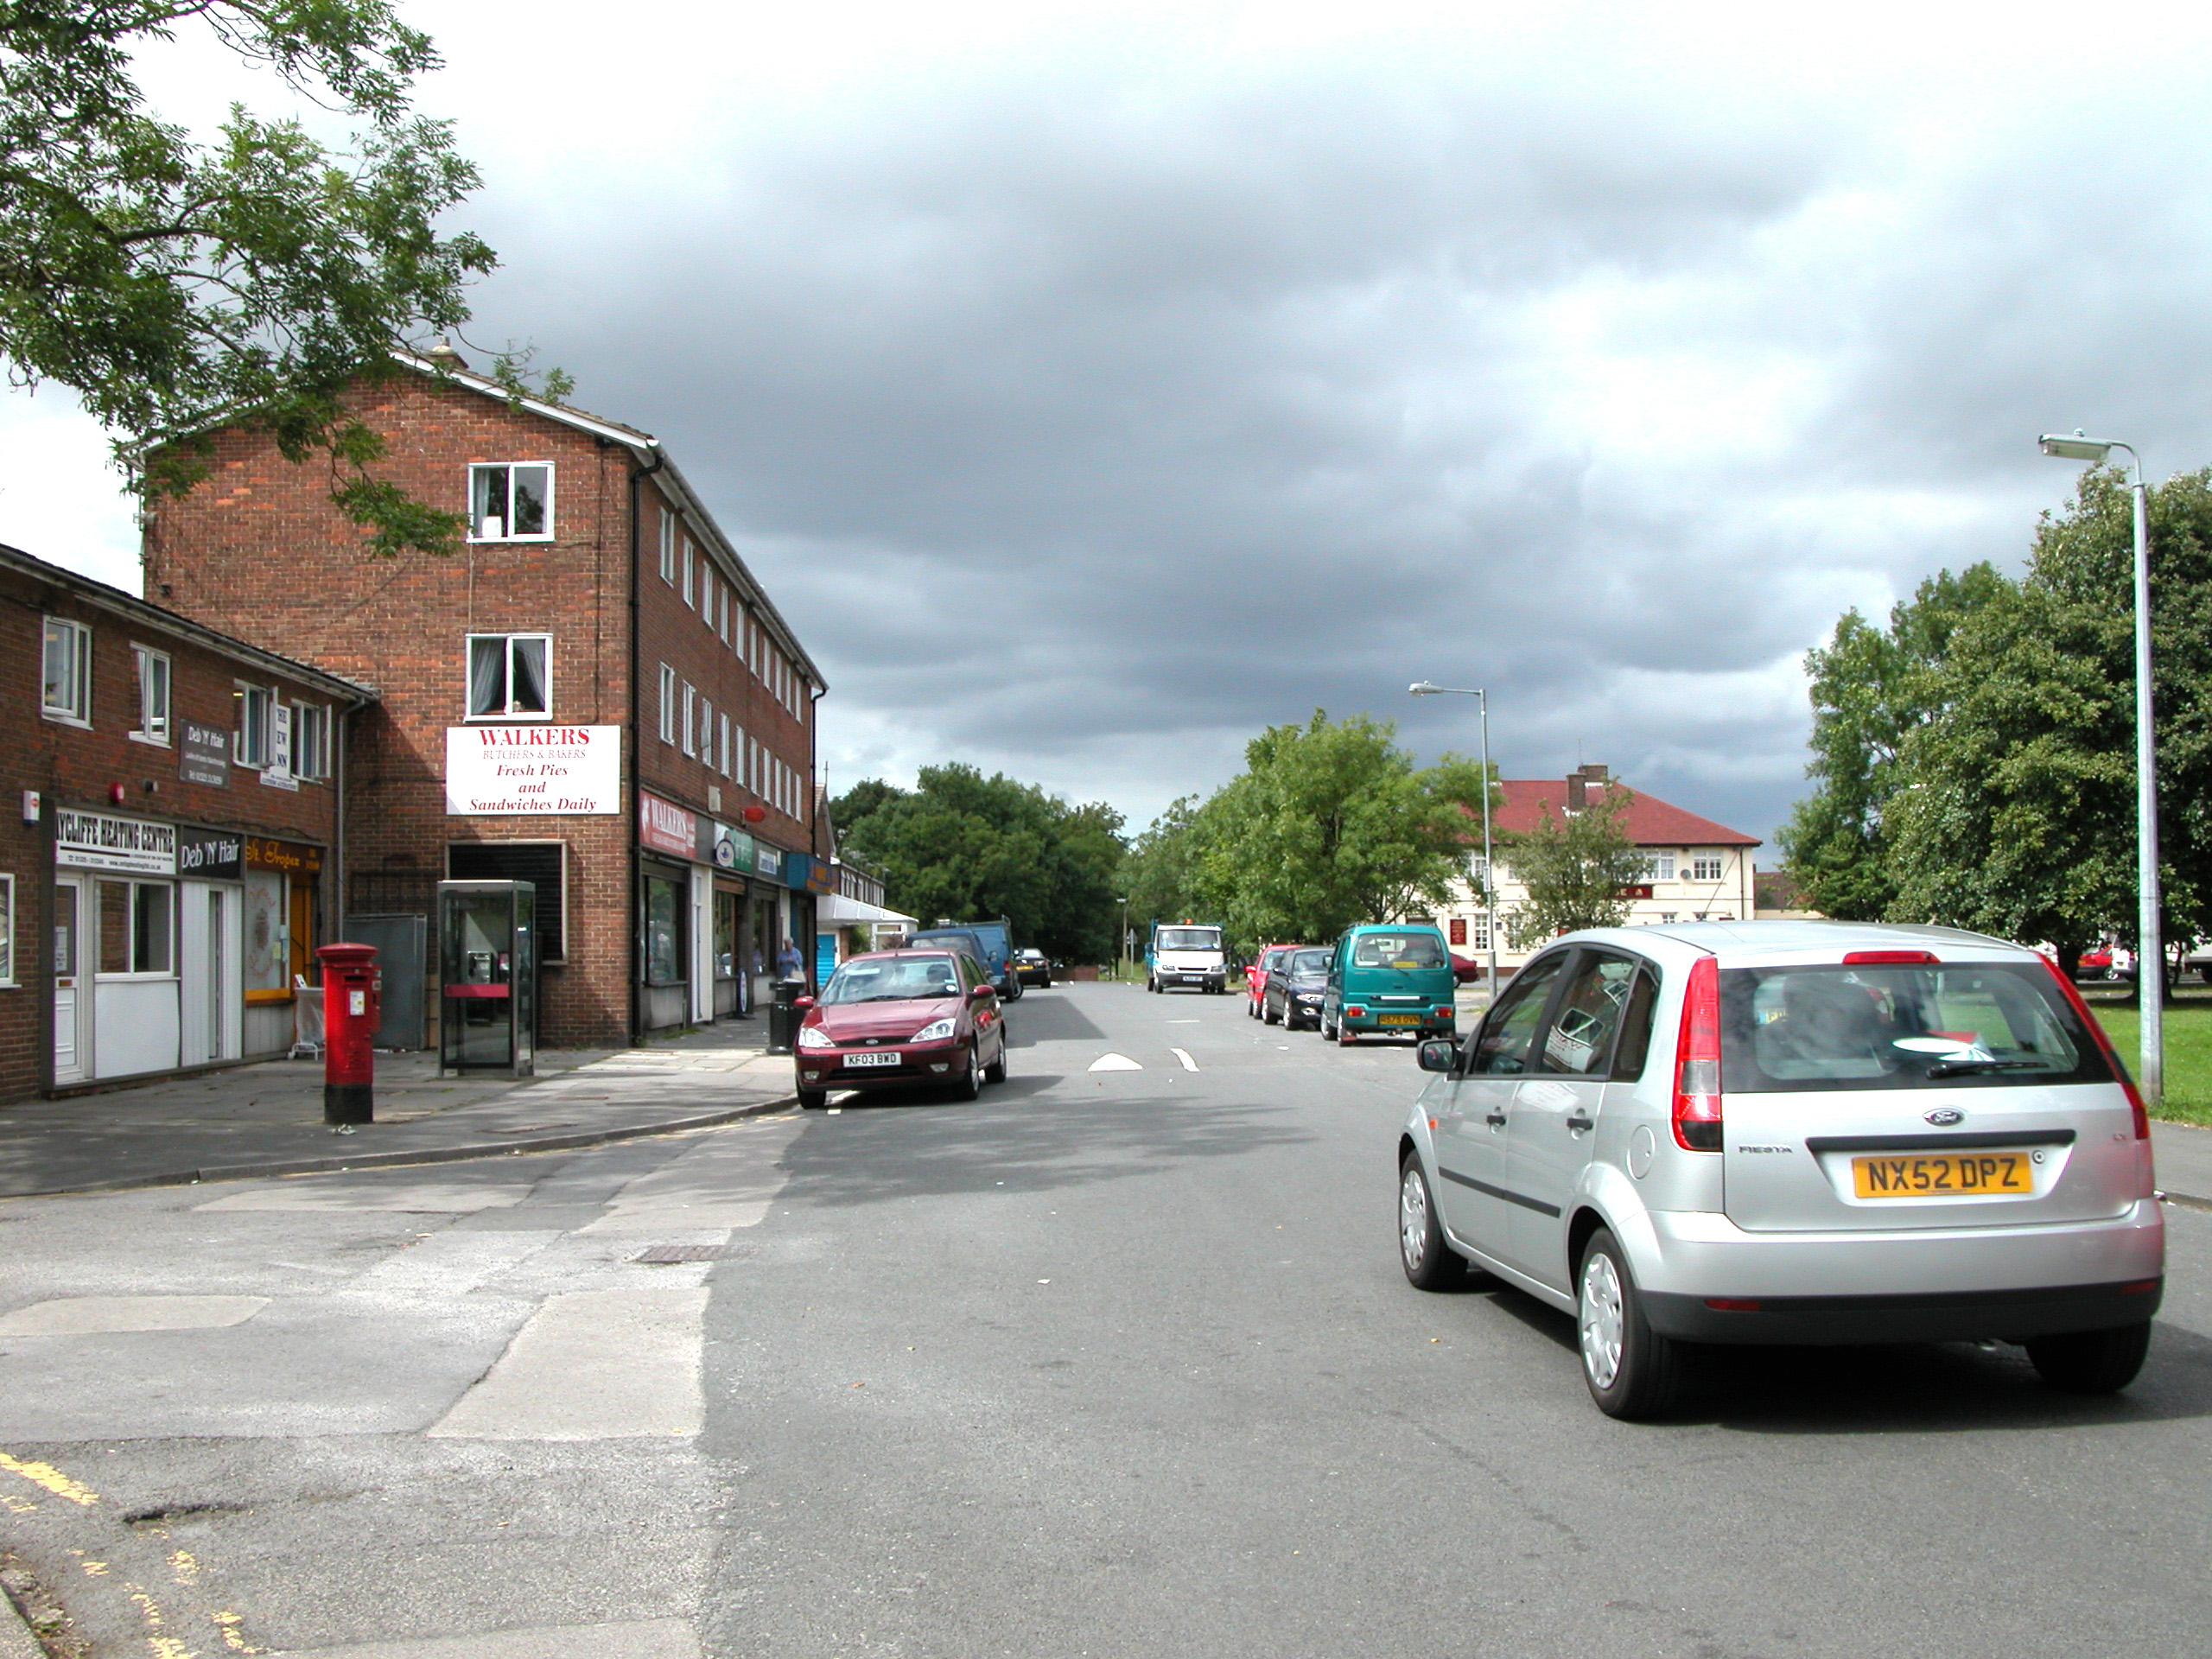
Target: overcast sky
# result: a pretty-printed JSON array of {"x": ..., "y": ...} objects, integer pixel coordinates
[{"x": 1095, "y": 386}]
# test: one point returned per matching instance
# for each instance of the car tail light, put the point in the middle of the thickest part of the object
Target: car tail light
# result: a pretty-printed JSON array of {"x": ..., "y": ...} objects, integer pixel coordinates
[
  {"x": 1357, "y": 1013},
  {"x": 2111, "y": 1055},
  {"x": 1732, "y": 1304},
  {"x": 1855, "y": 958},
  {"x": 1697, "y": 1058}
]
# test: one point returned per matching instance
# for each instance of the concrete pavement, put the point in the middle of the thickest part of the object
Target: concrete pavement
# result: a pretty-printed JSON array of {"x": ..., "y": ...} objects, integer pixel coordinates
[
  {"x": 266, "y": 1119},
  {"x": 2184, "y": 1159}
]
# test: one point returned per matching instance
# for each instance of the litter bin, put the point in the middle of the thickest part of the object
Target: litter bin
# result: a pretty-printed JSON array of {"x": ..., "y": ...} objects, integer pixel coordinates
[{"x": 784, "y": 1016}]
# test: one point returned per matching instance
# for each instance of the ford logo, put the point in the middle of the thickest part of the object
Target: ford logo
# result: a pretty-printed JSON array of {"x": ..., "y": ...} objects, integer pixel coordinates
[{"x": 1943, "y": 1117}]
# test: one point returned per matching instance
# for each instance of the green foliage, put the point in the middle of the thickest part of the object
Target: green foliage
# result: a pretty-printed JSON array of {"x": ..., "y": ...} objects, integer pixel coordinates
[
  {"x": 1974, "y": 764},
  {"x": 1574, "y": 868},
  {"x": 1160, "y": 877},
  {"x": 1329, "y": 825},
  {"x": 968, "y": 846},
  {"x": 170, "y": 282}
]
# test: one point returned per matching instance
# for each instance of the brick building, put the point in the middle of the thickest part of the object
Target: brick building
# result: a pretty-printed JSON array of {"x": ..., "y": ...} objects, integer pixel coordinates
[
  {"x": 174, "y": 807},
  {"x": 594, "y": 694}
]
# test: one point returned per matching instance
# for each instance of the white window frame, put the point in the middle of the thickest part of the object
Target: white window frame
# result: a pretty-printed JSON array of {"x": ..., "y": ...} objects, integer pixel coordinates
[
  {"x": 667, "y": 704},
  {"x": 135, "y": 888},
  {"x": 706, "y": 585},
  {"x": 1708, "y": 866},
  {"x": 154, "y": 725},
  {"x": 8, "y": 981},
  {"x": 79, "y": 710},
  {"x": 507, "y": 529},
  {"x": 724, "y": 767},
  {"x": 691, "y": 565},
  {"x": 668, "y": 543},
  {"x": 690, "y": 710},
  {"x": 1659, "y": 867},
  {"x": 311, "y": 738},
  {"x": 253, "y": 742},
  {"x": 722, "y": 624},
  {"x": 707, "y": 733},
  {"x": 509, "y": 715}
]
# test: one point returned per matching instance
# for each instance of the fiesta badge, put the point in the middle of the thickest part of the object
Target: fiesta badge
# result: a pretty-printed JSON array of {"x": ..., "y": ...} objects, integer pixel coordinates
[{"x": 1943, "y": 1117}]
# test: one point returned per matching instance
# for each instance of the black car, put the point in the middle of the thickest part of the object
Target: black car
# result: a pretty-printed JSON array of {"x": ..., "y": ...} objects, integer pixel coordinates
[
  {"x": 1290, "y": 996},
  {"x": 1031, "y": 968}
]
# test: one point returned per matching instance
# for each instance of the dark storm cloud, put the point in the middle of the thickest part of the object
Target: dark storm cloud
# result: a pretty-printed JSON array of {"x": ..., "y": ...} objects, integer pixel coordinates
[{"x": 1086, "y": 420}]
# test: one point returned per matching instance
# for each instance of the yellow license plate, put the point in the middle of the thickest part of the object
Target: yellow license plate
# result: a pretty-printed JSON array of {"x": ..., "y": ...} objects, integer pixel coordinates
[
  {"x": 1397, "y": 1019},
  {"x": 1942, "y": 1175}
]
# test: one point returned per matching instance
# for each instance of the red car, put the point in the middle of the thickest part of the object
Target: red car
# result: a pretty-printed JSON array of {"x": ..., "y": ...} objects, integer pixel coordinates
[
  {"x": 1255, "y": 975},
  {"x": 897, "y": 1019}
]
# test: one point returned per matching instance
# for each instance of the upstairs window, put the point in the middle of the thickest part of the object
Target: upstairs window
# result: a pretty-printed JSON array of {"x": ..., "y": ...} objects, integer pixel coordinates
[
  {"x": 667, "y": 703},
  {"x": 690, "y": 718},
  {"x": 668, "y": 546},
  {"x": 688, "y": 561},
  {"x": 706, "y": 732},
  {"x": 311, "y": 740},
  {"x": 68, "y": 693},
  {"x": 1706, "y": 866},
  {"x": 510, "y": 502},
  {"x": 153, "y": 695},
  {"x": 508, "y": 676},
  {"x": 255, "y": 741}
]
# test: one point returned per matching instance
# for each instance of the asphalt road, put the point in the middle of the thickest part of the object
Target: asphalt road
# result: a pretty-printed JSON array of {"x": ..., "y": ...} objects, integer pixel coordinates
[{"x": 1114, "y": 1361}]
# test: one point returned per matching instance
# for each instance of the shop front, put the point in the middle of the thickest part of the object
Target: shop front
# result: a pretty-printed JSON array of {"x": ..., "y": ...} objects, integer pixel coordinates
[
  {"x": 282, "y": 893},
  {"x": 727, "y": 851},
  {"x": 672, "y": 891}
]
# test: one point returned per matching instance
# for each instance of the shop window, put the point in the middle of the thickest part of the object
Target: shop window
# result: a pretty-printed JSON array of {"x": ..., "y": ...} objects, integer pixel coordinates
[
  {"x": 509, "y": 676},
  {"x": 153, "y": 695},
  {"x": 69, "y": 691},
  {"x": 256, "y": 738},
  {"x": 311, "y": 740},
  {"x": 510, "y": 502},
  {"x": 664, "y": 909},
  {"x": 544, "y": 864},
  {"x": 137, "y": 927},
  {"x": 1706, "y": 866},
  {"x": 690, "y": 713},
  {"x": 667, "y": 703},
  {"x": 8, "y": 929},
  {"x": 668, "y": 545}
]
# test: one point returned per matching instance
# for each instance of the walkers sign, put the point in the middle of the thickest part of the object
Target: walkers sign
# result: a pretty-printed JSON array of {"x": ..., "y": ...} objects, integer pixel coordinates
[{"x": 533, "y": 770}]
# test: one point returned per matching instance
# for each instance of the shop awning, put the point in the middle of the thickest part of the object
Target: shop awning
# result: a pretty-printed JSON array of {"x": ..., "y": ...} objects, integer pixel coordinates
[{"x": 835, "y": 909}]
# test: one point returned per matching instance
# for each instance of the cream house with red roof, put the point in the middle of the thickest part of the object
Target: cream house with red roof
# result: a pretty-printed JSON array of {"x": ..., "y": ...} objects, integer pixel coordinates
[{"x": 1695, "y": 869}]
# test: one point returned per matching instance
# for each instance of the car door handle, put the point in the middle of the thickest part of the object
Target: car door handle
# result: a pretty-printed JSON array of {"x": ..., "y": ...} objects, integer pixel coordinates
[
  {"x": 1494, "y": 1119},
  {"x": 1578, "y": 1123}
]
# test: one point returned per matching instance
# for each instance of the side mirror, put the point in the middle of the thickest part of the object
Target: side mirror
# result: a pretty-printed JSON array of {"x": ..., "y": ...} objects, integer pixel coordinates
[
  {"x": 802, "y": 1001},
  {"x": 982, "y": 992},
  {"x": 1439, "y": 1054}
]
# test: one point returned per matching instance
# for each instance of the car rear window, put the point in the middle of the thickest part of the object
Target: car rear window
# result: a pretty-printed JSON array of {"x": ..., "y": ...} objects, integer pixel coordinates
[
  {"x": 1307, "y": 962},
  {"x": 1898, "y": 1027},
  {"x": 1397, "y": 950}
]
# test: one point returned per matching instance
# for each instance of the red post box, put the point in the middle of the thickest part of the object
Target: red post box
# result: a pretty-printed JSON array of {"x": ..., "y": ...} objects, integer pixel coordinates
[{"x": 352, "y": 989}]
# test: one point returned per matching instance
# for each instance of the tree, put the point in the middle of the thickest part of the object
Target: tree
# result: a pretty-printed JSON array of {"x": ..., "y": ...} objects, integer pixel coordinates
[
  {"x": 1329, "y": 825},
  {"x": 170, "y": 283},
  {"x": 964, "y": 847},
  {"x": 1160, "y": 878},
  {"x": 1576, "y": 867}
]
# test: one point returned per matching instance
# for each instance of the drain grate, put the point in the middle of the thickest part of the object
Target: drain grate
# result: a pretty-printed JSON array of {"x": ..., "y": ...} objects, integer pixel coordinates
[{"x": 661, "y": 1256}]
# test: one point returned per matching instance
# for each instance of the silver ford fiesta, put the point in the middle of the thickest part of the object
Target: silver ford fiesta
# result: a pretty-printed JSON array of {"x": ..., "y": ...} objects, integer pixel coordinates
[{"x": 1791, "y": 1131}]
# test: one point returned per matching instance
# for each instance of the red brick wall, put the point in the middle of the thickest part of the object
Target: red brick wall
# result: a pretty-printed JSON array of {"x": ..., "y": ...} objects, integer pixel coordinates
[{"x": 258, "y": 550}]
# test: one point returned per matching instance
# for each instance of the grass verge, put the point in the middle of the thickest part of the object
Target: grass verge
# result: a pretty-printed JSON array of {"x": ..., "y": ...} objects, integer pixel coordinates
[{"x": 2188, "y": 1055}]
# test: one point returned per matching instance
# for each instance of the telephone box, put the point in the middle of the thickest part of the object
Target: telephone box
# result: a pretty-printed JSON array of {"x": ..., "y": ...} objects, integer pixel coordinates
[{"x": 488, "y": 977}]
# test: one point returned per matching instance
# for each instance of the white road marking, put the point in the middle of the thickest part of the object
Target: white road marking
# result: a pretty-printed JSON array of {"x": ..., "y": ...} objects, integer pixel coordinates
[
  {"x": 92, "y": 1316},
  {"x": 593, "y": 1366},
  {"x": 1189, "y": 1065},
  {"x": 651, "y": 1638},
  {"x": 425, "y": 1198},
  {"x": 1114, "y": 1063},
  {"x": 1186, "y": 1022}
]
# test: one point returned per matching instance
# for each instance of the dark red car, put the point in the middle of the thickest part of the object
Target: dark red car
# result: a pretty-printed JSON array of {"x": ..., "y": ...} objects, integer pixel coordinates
[{"x": 899, "y": 1019}]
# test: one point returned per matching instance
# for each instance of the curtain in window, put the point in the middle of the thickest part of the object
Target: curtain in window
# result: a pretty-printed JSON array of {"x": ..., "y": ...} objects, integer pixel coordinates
[
  {"x": 487, "y": 676},
  {"x": 529, "y": 656},
  {"x": 489, "y": 509},
  {"x": 530, "y": 492}
]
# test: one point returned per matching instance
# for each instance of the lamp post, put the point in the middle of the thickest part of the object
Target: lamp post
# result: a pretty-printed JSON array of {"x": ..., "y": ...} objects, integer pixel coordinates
[
  {"x": 1423, "y": 688},
  {"x": 1121, "y": 941},
  {"x": 2150, "y": 949}
]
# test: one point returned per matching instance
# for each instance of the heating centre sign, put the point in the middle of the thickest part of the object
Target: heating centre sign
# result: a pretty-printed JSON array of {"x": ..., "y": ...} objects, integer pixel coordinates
[{"x": 510, "y": 770}]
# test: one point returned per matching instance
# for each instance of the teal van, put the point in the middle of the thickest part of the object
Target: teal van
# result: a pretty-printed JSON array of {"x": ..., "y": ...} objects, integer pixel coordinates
[{"x": 1394, "y": 978}]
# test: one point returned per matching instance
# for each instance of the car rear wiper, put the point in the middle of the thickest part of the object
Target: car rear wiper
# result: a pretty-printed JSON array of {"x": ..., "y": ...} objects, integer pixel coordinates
[{"x": 1956, "y": 1068}]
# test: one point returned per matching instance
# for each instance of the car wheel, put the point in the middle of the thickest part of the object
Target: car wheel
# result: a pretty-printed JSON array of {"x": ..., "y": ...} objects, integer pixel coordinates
[
  {"x": 813, "y": 1100},
  {"x": 1632, "y": 1371},
  {"x": 2091, "y": 1361},
  {"x": 1151, "y": 987},
  {"x": 996, "y": 1071},
  {"x": 1430, "y": 1263},
  {"x": 971, "y": 1081},
  {"x": 1268, "y": 1015},
  {"x": 1326, "y": 1027},
  {"x": 1346, "y": 1037}
]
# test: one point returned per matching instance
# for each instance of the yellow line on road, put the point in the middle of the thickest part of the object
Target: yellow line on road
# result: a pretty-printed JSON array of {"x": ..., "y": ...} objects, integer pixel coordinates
[{"x": 46, "y": 1474}]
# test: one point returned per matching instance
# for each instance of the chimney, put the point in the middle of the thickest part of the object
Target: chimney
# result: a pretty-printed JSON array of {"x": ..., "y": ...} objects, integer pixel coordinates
[
  {"x": 1578, "y": 782},
  {"x": 1574, "y": 792},
  {"x": 445, "y": 357}
]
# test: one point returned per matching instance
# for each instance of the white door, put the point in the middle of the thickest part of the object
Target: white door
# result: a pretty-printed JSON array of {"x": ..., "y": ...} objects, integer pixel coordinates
[{"x": 73, "y": 1001}]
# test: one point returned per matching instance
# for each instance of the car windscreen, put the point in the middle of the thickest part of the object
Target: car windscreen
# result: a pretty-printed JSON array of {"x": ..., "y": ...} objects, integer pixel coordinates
[
  {"x": 1397, "y": 950},
  {"x": 1307, "y": 964},
  {"x": 1190, "y": 938},
  {"x": 893, "y": 979},
  {"x": 1840, "y": 1027}
]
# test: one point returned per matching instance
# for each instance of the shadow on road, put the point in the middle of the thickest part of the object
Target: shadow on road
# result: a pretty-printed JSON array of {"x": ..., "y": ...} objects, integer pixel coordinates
[{"x": 1052, "y": 1019}]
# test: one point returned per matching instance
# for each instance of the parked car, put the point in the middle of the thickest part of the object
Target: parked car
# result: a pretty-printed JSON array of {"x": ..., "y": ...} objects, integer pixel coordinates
[
  {"x": 1030, "y": 967},
  {"x": 1395, "y": 979},
  {"x": 1256, "y": 975},
  {"x": 1465, "y": 970},
  {"x": 893, "y": 1019},
  {"x": 991, "y": 943},
  {"x": 1292, "y": 995},
  {"x": 1791, "y": 1131}
]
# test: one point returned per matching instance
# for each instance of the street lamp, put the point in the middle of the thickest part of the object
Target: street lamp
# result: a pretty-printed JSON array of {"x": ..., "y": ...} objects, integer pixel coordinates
[
  {"x": 1423, "y": 688},
  {"x": 1121, "y": 944},
  {"x": 2150, "y": 949}
]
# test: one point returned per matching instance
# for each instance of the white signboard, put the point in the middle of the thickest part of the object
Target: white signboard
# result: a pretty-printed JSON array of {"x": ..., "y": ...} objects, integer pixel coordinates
[
  {"x": 93, "y": 841},
  {"x": 528, "y": 770}
]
